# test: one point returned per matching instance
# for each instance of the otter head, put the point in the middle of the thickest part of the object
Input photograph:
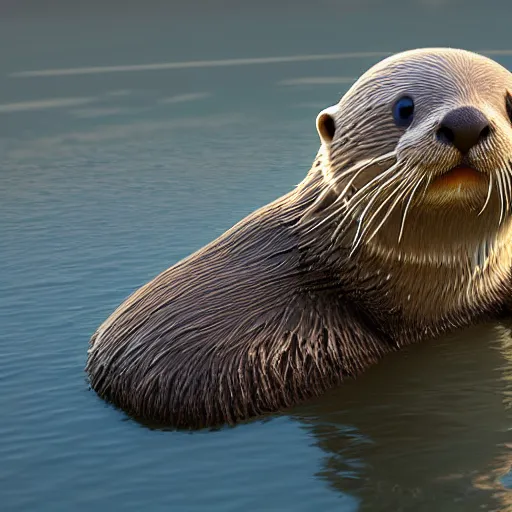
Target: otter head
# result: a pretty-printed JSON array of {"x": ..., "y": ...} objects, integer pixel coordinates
[{"x": 419, "y": 151}]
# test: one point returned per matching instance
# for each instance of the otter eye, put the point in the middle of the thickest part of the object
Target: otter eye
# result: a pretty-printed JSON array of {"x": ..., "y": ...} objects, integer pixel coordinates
[{"x": 403, "y": 111}]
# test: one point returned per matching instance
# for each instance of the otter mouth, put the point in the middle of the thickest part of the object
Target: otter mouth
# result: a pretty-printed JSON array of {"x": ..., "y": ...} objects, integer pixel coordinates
[{"x": 463, "y": 176}]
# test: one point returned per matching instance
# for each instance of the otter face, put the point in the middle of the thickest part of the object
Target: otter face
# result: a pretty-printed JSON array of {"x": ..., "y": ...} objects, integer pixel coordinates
[{"x": 425, "y": 130}]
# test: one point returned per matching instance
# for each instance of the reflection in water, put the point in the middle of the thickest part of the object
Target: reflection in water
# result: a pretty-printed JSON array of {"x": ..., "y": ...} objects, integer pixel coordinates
[
  {"x": 23, "y": 106},
  {"x": 94, "y": 112},
  {"x": 426, "y": 429},
  {"x": 160, "y": 66},
  {"x": 183, "y": 98},
  {"x": 72, "y": 143},
  {"x": 318, "y": 80}
]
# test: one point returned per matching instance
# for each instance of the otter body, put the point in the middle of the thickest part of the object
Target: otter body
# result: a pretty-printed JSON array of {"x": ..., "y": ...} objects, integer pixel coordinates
[{"x": 400, "y": 231}]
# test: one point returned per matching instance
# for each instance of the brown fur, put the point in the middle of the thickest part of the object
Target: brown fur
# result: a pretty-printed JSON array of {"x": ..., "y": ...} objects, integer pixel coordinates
[{"x": 288, "y": 303}]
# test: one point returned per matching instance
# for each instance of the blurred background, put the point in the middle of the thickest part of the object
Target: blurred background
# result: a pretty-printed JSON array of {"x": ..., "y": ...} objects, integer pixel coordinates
[{"x": 131, "y": 134}]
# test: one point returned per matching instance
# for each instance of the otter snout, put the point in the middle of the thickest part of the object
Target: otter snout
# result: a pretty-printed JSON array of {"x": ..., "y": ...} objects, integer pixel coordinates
[{"x": 463, "y": 128}]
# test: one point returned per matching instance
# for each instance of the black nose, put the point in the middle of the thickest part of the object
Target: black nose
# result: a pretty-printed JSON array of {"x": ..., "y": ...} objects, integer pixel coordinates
[{"x": 463, "y": 128}]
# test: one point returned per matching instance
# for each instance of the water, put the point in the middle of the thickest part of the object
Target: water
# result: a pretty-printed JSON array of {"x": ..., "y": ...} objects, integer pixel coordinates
[{"x": 107, "y": 178}]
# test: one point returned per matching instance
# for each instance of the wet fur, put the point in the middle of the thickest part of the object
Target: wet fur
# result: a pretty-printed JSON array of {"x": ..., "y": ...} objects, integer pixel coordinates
[
  {"x": 240, "y": 328},
  {"x": 282, "y": 307}
]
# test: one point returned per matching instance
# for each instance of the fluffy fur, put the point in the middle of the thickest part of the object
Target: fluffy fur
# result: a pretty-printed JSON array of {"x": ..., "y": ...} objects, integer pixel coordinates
[{"x": 363, "y": 257}]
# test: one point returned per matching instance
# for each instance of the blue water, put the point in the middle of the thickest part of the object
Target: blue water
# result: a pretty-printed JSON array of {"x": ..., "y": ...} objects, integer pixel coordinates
[{"x": 107, "y": 178}]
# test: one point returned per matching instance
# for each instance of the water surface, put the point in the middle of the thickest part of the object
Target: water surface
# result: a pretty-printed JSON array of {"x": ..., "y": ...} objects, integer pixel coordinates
[{"x": 109, "y": 176}]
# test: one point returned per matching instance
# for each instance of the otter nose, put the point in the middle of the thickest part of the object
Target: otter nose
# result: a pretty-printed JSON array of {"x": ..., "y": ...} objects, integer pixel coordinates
[{"x": 463, "y": 128}]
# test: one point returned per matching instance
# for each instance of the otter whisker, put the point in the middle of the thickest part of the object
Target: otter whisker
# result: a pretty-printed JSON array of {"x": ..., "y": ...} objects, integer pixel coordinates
[
  {"x": 327, "y": 218},
  {"x": 509, "y": 187},
  {"x": 372, "y": 200},
  {"x": 375, "y": 180},
  {"x": 402, "y": 191},
  {"x": 318, "y": 202},
  {"x": 503, "y": 197},
  {"x": 489, "y": 192},
  {"x": 368, "y": 162},
  {"x": 365, "y": 166},
  {"x": 347, "y": 218},
  {"x": 427, "y": 184},
  {"x": 357, "y": 170},
  {"x": 362, "y": 194},
  {"x": 406, "y": 210},
  {"x": 499, "y": 189}
]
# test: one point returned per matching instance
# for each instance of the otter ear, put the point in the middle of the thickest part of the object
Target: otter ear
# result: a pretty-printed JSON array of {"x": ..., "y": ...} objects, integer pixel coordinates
[
  {"x": 508, "y": 104},
  {"x": 326, "y": 124}
]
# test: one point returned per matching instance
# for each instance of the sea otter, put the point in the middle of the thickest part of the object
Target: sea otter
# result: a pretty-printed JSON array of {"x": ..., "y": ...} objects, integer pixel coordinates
[{"x": 400, "y": 232}]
